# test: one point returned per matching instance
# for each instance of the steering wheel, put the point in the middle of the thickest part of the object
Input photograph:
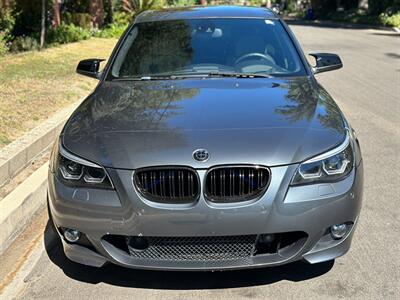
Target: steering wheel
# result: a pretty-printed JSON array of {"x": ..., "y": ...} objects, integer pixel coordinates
[{"x": 255, "y": 54}]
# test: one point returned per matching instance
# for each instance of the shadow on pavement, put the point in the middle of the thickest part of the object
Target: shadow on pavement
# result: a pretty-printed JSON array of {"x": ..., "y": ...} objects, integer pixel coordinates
[
  {"x": 393, "y": 55},
  {"x": 168, "y": 280},
  {"x": 392, "y": 34}
]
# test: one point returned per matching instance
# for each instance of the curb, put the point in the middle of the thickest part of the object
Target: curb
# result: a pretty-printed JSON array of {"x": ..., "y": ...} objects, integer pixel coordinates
[
  {"x": 19, "y": 207},
  {"x": 20, "y": 153}
]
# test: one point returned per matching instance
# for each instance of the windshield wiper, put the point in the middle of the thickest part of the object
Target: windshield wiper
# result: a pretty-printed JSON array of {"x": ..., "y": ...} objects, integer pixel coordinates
[
  {"x": 239, "y": 75},
  {"x": 160, "y": 77},
  {"x": 144, "y": 78},
  {"x": 195, "y": 75}
]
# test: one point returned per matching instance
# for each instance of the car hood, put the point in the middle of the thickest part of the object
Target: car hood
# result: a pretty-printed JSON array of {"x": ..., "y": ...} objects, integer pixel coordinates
[{"x": 131, "y": 124}]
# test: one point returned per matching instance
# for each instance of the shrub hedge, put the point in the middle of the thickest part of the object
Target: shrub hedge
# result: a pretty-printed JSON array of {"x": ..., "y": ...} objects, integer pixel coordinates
[
  {"x": 67, "y": 33},
  {"x": 24, "y": 43},
  {"x": 3, "y": 44}
]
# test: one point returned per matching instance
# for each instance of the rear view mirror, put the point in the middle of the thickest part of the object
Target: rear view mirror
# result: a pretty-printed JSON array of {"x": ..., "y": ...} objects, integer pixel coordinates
[
  {"x": 89, "y": 67},
  {"x": 326, "y": 62}
]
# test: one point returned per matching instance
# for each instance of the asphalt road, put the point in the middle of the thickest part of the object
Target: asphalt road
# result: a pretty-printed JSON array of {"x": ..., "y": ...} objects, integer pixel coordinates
[{"x": 368, "y": 91}]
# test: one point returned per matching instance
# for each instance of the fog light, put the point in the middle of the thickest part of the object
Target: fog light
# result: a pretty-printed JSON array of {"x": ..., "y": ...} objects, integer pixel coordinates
[
  {"x": 338, "y": 231},
  {"x": 72, "y": 235},
  {"x": 139, "y": 243},
  {"x": 266, "y": 238}
]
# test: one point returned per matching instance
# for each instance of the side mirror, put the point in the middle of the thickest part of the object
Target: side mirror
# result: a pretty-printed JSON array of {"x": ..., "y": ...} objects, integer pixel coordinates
[
  {"x": 326, "y": 62},
  {"x": 89, "y": 67}
]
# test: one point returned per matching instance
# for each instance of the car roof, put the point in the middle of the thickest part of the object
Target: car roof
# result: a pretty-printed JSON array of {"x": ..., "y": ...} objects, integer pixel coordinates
[{"x": 199, "y": 12}]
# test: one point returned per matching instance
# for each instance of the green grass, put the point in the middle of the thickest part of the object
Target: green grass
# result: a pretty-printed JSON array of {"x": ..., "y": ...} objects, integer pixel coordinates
[{"x": 34, "y": 85}]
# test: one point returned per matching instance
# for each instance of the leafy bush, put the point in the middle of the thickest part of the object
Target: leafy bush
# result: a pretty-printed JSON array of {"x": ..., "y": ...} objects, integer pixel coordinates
[
  {"x": 24, "y": 43},
  {"x": 391, "y": 17},
  {"x": 111, "y": 31},
  {"x": 137, "y": 6},
  {"x": 353, "y": 16},
  {"x": 181, "y": 3},
  {"x": 122, "y": 18},
  {"x": 67, "y": 33},
  {"x": 3, "y": 44},
  {"x": 7, "y": 20},
  {"x": 393, "y": 20}
]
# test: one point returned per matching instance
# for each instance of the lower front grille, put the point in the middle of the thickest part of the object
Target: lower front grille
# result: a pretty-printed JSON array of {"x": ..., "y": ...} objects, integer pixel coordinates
[
  {"x": 195, "y": 248},
  {"x": 208, "y": 249}
]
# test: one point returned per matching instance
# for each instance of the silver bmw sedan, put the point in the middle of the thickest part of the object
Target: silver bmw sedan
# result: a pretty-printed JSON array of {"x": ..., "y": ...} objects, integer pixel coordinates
[{"x": 207, "y": 144}]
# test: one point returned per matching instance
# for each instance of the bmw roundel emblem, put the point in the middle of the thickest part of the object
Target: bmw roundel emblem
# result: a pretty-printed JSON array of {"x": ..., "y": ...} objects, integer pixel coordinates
[{"x": 201, "y": 155}]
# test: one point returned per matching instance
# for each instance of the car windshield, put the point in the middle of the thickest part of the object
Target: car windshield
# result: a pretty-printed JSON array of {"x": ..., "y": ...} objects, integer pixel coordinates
[{"x": 207, "y": 46}]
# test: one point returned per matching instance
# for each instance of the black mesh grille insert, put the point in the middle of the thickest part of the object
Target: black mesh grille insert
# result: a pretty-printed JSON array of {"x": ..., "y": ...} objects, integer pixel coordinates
[
  {"x": 197, "y": 248},
  {"x": 233, "y": 184},
  {"x": 168, "y": 185},
  {"x": 207, "y": 250}
]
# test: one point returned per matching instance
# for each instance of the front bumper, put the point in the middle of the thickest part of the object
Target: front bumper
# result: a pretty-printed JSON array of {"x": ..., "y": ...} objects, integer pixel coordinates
[{"x": 310, "y": 209}]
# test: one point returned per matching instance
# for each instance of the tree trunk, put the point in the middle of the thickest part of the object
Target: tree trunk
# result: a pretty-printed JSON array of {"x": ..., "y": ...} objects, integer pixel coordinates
[
  {"x": 6, "y": 4},
  {"x": 43, "y": 25},
  {"x": 96, "y": 10},
  {"x": 57, "y": 15},
  {"x": 363, "y": 4},
  {"x": 110, "y": 11}
]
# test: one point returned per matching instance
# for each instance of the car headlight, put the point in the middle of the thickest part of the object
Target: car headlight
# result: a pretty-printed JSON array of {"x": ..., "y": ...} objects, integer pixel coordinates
[
  {"x": 333, "y": 165},
  {"x": 75, "y": 171}
]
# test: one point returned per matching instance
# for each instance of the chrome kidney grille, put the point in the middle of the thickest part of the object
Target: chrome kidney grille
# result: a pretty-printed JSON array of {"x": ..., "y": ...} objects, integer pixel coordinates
[
  {"x": 177, "y": 185},
  {"x": 236, "y": 183}
]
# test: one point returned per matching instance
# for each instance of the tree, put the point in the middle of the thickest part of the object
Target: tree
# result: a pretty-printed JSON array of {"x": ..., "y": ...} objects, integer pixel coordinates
[
  {"x": 43, "y": 24},
  {"x": 110, "y": 15},
  {"x": 29, "y": 17},
  {"x": 5, "y": 4},
  {"x": 56, "y": 12},
  {"x": 96, "y": 10},
  {"x": 137, "y": 6}
]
